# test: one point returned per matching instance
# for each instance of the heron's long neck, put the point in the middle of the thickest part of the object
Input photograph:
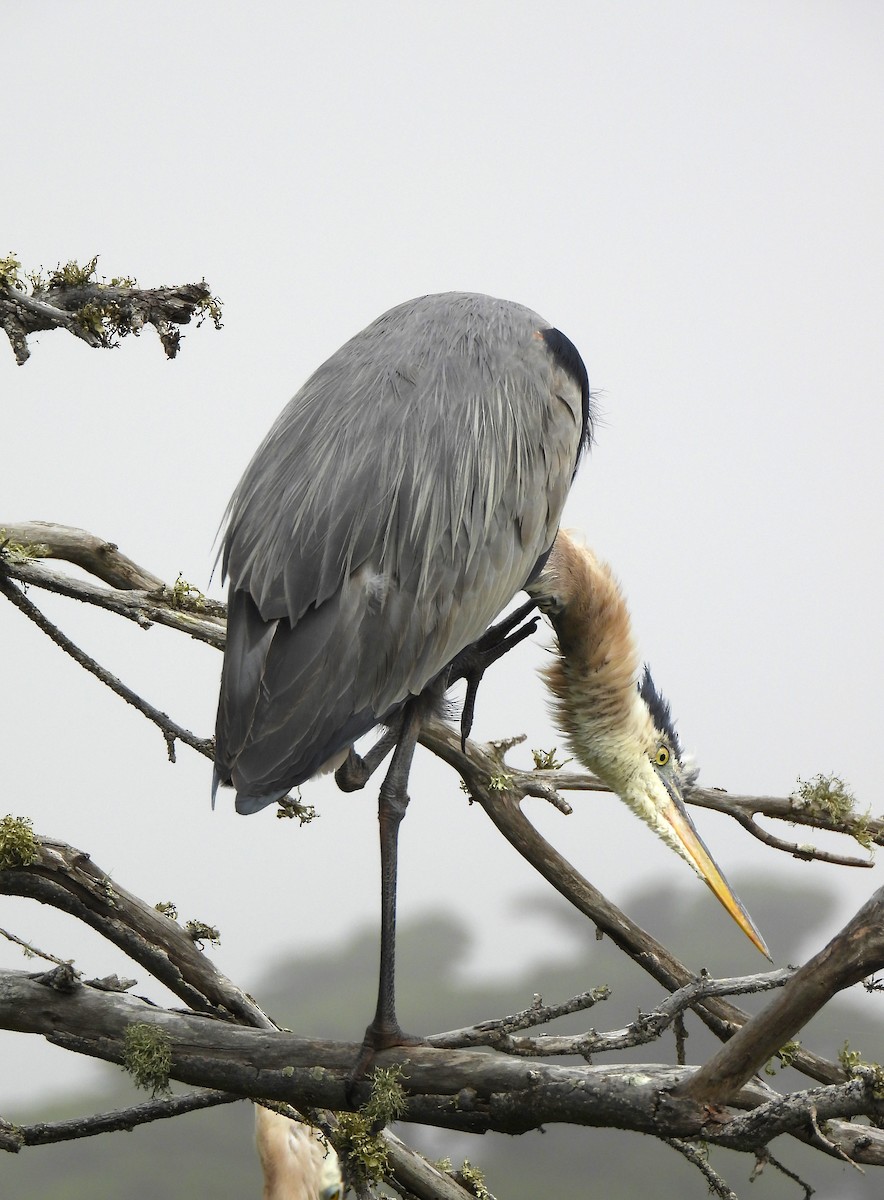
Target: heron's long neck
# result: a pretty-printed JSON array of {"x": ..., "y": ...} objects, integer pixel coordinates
[{"x": 593, "y": 676}]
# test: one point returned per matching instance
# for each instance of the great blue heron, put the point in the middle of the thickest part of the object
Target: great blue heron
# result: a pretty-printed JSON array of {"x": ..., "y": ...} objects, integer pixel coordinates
[{"x": 409, "y": 490}]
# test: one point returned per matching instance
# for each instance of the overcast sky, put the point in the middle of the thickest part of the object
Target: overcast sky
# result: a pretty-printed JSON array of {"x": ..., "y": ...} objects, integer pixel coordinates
[{"x": 692, "y": 192}]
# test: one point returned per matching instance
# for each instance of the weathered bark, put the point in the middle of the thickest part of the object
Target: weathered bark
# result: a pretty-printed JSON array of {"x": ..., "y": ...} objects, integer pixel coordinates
[{"x": 852, "y": 955}]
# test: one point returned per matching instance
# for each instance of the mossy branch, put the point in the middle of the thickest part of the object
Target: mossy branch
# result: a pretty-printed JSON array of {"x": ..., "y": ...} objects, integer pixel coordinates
[{"x": 98, "y": 311}]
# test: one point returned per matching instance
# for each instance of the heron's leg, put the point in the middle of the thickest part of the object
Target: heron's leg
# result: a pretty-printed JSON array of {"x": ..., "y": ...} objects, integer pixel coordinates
[
  {"x": 385, "y": 1030},
  {"x": 472, "y": 663}
]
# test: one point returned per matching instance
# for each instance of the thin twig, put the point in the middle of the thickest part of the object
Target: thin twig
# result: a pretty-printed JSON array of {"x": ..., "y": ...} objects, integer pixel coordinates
[
  {"x": 806, "y": 853},
  {"x": 143, "y": 608},
  {"x": 171, "y": 730},
  {"x": 647, "y": 1028},
  {"x": 496, "y": 1031},
  {"x": 696, "y": 1158},
  {"x": 125, "y": 1119},
  {"x": 764, "y": 1157},
  {"x": 32, "y": 951}
]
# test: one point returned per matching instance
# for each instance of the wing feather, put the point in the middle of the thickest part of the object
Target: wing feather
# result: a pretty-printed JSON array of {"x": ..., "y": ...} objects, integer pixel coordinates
[{"x": 399, "y": 502}]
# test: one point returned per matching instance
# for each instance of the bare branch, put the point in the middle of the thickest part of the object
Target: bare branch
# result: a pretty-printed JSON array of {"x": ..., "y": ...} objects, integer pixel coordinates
[
  {"x": 801, "y": 1113},
  {"x": 143, "y": 608},
  {"x": 806, "y": 853},
  {"x": 172, "y": 731},
  {"x": 764, "y": 1157},
  {"x": 15, "y": 1137},
  {"x": 29, "y": 950},
  {"x": 67, "y": 879},
  {"x": 717, "y": 1186},
  {"x": 497, "y": 1031},
  {"x": 132, "y": 591},
  {"x": 854, "y": 953},
  {"x": 104, "y": 560},
  {"x": 647, "y": 1028},
  {"x": 468, "y": 1090}
]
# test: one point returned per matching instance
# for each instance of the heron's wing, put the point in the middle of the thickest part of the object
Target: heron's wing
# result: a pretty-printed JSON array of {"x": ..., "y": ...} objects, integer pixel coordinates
[{"x": 399, "y": 502}]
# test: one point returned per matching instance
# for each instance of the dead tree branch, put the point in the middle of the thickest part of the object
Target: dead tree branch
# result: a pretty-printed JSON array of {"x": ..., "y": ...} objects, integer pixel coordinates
[
  {"x": 853, "y": 954},
  {"x": 16, "y": 1137},
  {"x": 99, "y": 313},
  {"x": 455, "y": 1089},
  {"x": 171, "y": 730},
  {"x": 646, "y": 1028}
]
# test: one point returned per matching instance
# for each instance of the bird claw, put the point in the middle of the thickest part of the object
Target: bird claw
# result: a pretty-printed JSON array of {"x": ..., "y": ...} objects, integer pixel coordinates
[
  {"x": 377, "y": 1038},
  {"x": 353, "y": 773}
]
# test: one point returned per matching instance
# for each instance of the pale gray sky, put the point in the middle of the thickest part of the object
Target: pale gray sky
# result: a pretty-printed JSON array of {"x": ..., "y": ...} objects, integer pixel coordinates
[{"x": 692, "y": 192}]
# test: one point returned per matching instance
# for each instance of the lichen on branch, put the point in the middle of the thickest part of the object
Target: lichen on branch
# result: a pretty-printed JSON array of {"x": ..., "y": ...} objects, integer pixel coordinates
[{"x": 98, "y": 311}]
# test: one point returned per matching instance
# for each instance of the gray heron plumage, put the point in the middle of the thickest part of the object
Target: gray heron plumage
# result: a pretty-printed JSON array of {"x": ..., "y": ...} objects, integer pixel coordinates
[
  {"x": 399, "y": 502},
  {"x": 409, "y": 490}
]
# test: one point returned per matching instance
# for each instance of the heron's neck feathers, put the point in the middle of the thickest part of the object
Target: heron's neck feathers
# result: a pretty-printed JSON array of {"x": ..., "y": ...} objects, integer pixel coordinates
[{"x": 593, "y": 675}]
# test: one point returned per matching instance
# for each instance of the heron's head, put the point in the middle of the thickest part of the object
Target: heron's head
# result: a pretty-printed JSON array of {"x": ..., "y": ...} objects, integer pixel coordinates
[
  {"x": 654, "y": 785},
  {"x": 623, "y": 733}
]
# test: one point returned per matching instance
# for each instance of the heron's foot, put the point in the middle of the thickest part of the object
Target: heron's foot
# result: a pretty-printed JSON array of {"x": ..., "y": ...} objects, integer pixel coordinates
[
  {"x": 377, "y": 1037},
  {"x": 472, "y": 663},
  {"x": 355, "y": 771}
]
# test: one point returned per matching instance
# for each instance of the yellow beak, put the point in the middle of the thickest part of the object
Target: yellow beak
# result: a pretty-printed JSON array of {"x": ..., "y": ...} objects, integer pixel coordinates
[{"x": 676, "y": 816}]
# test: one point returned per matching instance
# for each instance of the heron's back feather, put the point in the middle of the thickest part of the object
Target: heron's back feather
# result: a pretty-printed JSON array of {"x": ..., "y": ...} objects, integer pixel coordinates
[{"x": 399, "y": 502}]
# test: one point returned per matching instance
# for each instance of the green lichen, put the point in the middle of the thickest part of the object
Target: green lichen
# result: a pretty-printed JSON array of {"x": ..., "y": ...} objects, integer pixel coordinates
[
  {"x": 359, "y": 1143},
  {"x": 861, "y": 832},
  {"x": 474, "y": 1180},
  {"x": 786, "y": 1054},
  {"x": 289, "y": 809},
  {"x": 855, "y": 1067},
  {"x": 147, "y": 1057},
  {"x": 9, "y": 272},
  {"x": 209, "y": 309},
  {"x": 467, "y": 1176},
  {"x": 829, "y": 796},
  {"x": 545, "y": 760},
  {"x": 185, "y": 595},
  {"x": 849, "y": 1059},
  {"x": 499, "y": 783},
  {"x": 168, "y": 909},
  {"x": 200, "y": 932},
  {"x": 22, "y": 551},
  {"x": 72, "y": 274},
  {"x": 18, "y": 845}
]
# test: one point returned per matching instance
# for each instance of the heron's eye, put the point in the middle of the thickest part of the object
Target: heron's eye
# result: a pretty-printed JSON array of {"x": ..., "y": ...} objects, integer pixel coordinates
[{"x": 661, "y": 758}]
